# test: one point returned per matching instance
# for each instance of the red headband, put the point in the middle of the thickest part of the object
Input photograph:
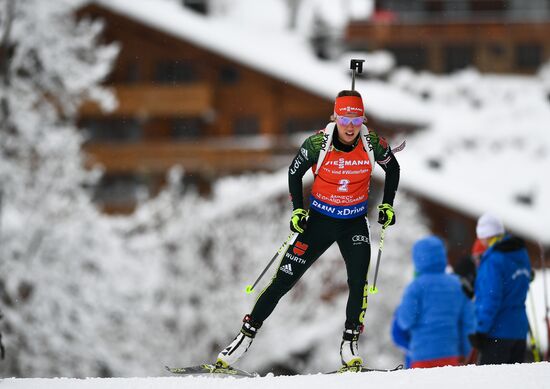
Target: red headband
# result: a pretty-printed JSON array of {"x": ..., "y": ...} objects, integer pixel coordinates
[{"x": 348, "y": 104}]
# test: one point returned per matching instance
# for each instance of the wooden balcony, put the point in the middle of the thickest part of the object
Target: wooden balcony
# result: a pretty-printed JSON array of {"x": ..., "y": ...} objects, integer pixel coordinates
[
  {"x": 144, "y": 100},
  {"x": 490, "y": 46},
  {"x": 202, "y": 157},
  {"x": 380, "y": 35}
]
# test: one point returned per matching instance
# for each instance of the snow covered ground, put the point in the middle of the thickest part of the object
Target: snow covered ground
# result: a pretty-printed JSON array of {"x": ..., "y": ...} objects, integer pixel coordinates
[{"x": 525, "y": 376}]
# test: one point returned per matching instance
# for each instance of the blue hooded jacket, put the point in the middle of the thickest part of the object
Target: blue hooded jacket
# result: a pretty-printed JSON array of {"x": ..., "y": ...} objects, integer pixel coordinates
[
  {"x": 401, "y": 338},
  {"x": 434, "y": 309},
  {"x": 501, "y": 289}
]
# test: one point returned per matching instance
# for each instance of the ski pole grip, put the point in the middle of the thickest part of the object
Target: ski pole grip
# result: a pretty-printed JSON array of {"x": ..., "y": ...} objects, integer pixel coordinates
[{"x": 357, "y": 64}]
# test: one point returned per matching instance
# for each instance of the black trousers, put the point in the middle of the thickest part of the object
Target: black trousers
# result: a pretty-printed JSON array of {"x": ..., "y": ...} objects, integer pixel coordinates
[
  {"x": 352, "y": 237},
  {"x": 502, "y": 351}
]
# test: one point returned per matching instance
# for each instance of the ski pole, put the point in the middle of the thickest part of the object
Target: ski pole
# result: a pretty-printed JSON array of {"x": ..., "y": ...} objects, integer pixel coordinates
[
  {"x": 533, "y": 344},
  {"x": 545, "y": 291},
  {"x": 356, "y": 65},
  {"x": 250, "y": 288},
  {"x": 533, "y": 331},
  {"x": 373, "y": 289}
]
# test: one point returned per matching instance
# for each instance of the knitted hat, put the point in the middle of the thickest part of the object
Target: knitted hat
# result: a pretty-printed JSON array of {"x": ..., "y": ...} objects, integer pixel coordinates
[{"x": 489, "y": 226}]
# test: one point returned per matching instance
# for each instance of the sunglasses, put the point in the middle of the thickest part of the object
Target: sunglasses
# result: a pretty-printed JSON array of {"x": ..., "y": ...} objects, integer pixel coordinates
[{"x": 345, "y": 121}]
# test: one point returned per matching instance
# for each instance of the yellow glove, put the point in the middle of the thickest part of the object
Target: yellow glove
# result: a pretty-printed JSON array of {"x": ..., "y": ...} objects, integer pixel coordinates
[
  {"x": 386, "y": 217},
  {"x": 298, "y": 220}
]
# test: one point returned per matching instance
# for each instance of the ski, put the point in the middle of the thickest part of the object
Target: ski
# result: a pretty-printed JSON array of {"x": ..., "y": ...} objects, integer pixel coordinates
[
  {"x": 211, "y": 370},
  {"x": 363, "y": 369},
  {"x": 215, "y": 371}
]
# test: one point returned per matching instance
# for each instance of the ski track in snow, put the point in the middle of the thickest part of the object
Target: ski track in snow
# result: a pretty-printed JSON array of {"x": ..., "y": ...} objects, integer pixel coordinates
[{"x": 524, "y": 376}]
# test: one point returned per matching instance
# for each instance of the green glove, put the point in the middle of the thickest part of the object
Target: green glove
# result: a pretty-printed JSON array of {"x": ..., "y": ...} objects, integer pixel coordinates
[
  {"x": 386, "y": 217},
  {"x": 299, "y": 220}
]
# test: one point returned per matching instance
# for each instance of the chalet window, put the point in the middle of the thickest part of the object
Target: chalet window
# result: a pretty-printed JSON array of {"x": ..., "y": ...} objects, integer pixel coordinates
[
  {"x": 120, "y": 189},
  {"x": 311, "y": 125},
  {"x": 247, "y": 125},
  {"x": 458, "y": 57},
  {"x": 128, "y": 72},
  {"x": 112, "y": 130},
  {"x": 496, "y": 49},
  {"x": 528, "y": 56},
  {"x": 434, "y": 6},
  {"x": 132, "y": 72},
  {"x": 186, "y": 128},
  {"x": 399, "y": 6},
  {"x": 488, "y": 5},
  {"x": 457, "y": 232},
  {"x": 415, "y": 57},
  {"x": 229, "y": 74},
  {"x": 175, "y": 72}
]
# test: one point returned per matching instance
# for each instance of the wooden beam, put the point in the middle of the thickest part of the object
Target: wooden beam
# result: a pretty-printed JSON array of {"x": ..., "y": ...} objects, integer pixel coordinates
[
  {"x": 158, "y": 157},
  {"x": 146, "y": 100}
]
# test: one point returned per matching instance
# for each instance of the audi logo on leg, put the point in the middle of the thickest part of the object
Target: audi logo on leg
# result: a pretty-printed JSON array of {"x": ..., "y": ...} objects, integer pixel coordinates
[{"x": 360, "y": 238}]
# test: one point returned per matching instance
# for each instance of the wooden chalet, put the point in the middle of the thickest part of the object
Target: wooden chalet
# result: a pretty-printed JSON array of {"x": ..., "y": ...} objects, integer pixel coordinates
[
  {"x": 445, "y": 35},
  {"x": 183, "y": 104}
]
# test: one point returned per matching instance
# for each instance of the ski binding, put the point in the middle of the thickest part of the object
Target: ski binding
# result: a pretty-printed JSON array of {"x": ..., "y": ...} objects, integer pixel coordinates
[{"x": 362, "y": 369}]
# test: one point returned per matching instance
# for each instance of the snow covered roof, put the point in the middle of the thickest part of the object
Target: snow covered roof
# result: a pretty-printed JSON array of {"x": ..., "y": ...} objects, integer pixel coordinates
[
  {"x": 487, "y": 148},
  {"x": 275, "y": 51},
  {"x": 486, "y": 139}
]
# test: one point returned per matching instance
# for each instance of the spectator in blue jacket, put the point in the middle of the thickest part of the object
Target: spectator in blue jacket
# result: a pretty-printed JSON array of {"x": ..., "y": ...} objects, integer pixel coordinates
[
  {"x": 434, "y": 310},
  {"x": 501, "y": 289},
  {"x": 401, "y": 339}
]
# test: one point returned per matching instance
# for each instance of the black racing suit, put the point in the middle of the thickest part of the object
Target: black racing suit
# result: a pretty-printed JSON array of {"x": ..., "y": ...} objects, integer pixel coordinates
[{"x": 351, "y": 235}]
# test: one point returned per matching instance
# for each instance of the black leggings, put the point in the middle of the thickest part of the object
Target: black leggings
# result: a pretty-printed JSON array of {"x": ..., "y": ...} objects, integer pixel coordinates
[
  {"x": 352, "y": 237},
  {"x": 502, "y": 351}
]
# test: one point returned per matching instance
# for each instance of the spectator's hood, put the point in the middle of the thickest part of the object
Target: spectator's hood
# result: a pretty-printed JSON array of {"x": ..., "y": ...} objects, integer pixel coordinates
[{"x": 429, "y": 255}]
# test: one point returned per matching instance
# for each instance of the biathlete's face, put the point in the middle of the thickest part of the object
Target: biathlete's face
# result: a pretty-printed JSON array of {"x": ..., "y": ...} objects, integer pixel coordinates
[{"x": 349, "y": 126}]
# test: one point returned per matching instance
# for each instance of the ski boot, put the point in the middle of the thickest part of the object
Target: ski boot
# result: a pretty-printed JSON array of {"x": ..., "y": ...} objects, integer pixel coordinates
[
  {"x": 349, "y": 351},
  {"x": 232, "y": 353}
]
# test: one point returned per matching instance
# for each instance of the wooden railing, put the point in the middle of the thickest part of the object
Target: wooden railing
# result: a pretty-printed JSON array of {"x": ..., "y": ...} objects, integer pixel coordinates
[
  {"x": 201, "y": 157},
  {"x": 157, "y": 100},
  {"x": 383, "y": 34}
]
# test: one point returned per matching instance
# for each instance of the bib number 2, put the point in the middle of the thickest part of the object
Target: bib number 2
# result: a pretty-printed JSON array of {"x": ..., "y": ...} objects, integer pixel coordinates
[{"x": 343, "y": 185}]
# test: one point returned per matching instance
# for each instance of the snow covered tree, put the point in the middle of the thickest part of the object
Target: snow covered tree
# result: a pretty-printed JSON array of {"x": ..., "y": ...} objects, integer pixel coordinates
[{"x": 49, "y": 64}]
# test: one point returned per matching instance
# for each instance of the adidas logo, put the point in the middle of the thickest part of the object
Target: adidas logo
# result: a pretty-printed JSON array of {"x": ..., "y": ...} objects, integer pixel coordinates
[{"x": 287, "y": 269}]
